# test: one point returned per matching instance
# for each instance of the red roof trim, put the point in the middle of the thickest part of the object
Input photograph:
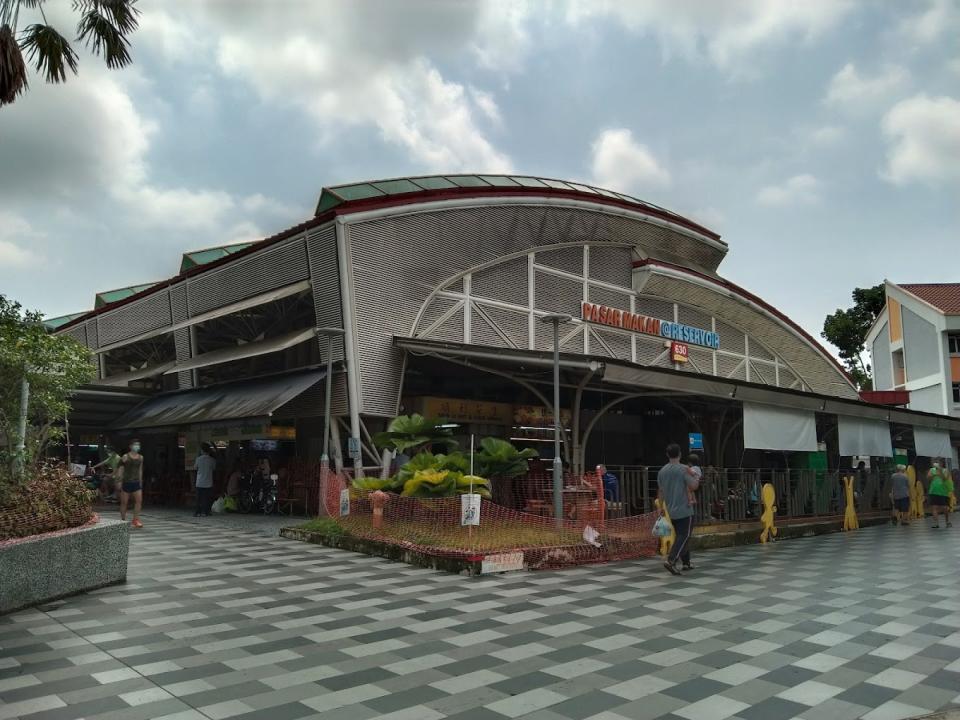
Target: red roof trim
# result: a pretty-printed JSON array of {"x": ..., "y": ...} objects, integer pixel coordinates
[
  {"x": 746, "y": 294},
  {"x": 387, "y": 201}
]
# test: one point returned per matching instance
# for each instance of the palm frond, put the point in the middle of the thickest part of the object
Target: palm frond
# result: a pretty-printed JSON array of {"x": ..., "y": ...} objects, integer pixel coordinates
[
  {"x": 49, "y": 51},
  {"x": 31, "y": 4},
  {"x": 123, "y": 14},
  {"x": 13, "y": 71},
  {"x": 101, "y": 36}
]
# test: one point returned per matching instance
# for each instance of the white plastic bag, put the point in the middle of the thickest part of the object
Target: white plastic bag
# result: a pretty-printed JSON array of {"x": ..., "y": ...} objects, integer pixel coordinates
[
  {"x": 661, "y": 528},
  {"x": 217, "y": 506}
]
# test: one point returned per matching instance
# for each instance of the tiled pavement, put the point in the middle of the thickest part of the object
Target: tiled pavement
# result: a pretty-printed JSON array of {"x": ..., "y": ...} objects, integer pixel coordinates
[{"x": 221, "y": 623}]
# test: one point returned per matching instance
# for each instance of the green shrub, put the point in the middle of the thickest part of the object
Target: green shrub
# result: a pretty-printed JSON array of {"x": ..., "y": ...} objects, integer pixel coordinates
[{"x": 324, "y": 526}]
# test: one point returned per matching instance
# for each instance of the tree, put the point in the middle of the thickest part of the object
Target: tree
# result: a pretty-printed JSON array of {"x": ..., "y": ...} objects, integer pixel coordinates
[
  {"x": 103, "y": 27},
  {"x": 54, "y": 365},
  {"x": 847, "y": 330}
]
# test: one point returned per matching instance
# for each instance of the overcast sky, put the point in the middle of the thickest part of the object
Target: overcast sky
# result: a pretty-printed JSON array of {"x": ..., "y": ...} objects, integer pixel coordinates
[{"x": 820, "y": 138}]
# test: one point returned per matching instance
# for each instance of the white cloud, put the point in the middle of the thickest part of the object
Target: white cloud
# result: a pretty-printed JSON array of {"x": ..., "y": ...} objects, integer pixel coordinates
[
  {"x": 827, "y": 135},
  {"x": 16, "y": 238},
  {"x": 621, "y": 163},
  {"x": 849, "y": 89},
  {"x": 939, "y": 17},
  {"x": 798, "y": 190},
  {"x": 727, "y": 33},
  {"x": 363, "y": 65},
  {"x": 924, "y": 140}
]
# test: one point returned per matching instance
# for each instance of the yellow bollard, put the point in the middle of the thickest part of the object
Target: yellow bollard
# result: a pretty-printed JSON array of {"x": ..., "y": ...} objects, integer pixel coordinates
[
  {"x": 917, "y": 496},
  {"x": 850, "y": 520},
  {"x": 769, "y": 497},
  {"x": 666, "y": 542}
]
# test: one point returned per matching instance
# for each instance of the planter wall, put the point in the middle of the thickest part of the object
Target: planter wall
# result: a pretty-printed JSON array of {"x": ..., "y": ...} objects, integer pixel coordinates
[{"x": 38, "y": 569}]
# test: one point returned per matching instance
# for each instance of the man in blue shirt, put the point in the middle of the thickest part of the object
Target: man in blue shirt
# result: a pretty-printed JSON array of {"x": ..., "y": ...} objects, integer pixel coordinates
[{"x": 676, "y": 482}]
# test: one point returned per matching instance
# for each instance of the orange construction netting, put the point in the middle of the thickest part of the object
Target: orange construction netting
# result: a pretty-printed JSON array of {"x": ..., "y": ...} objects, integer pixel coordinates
[{"x": 433, "y": 525}]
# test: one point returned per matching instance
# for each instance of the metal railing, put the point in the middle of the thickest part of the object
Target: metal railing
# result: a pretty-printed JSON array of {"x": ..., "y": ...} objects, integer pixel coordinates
[{"x": 733, "y": 494}]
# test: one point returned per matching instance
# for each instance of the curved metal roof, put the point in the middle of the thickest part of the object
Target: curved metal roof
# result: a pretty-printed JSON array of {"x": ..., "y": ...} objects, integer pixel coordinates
[{"x": 408, "y": 189}]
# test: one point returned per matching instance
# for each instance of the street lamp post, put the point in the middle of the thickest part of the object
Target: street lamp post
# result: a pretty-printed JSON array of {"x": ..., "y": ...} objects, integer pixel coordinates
[
  {"x": 555, "y": 319},
  {"x": 330, "y": 333}
]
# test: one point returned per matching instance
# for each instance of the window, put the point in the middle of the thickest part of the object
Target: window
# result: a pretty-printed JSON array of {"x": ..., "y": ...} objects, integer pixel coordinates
[
  {"x": 956, "y": 393},
  {"x": 953, "y": 341}
]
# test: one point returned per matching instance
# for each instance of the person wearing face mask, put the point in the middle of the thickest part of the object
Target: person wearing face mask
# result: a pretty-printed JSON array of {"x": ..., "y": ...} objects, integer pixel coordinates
[
  {"x": 132, "y": 464},
  {"x": 939, "y": 489}
]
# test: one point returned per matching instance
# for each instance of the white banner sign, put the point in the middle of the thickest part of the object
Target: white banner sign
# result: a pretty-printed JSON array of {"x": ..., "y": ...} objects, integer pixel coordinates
[
  {"x": 767, "y": 427},
  {"x": 470, "y": 509},
  {"x": 504, "y": 562},
  {"x": 932, "y": 443},
  {"x": 860, "y": 436},
  {"x": 344, "y": 502}
]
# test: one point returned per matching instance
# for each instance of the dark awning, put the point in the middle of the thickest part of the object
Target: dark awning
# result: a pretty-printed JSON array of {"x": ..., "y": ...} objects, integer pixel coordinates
[
  {"x": 95, "y": 408},
  {"x": 232, "y": 401}
]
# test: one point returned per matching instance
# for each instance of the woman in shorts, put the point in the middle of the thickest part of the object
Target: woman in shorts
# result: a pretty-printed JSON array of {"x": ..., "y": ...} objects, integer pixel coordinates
[{"x": 132, "y": 464}]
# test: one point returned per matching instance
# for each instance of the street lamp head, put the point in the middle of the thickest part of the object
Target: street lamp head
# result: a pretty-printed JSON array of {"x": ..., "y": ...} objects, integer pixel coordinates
[
  {"x": 329, "y": 331},
  {"x": 556, "y": 318}
]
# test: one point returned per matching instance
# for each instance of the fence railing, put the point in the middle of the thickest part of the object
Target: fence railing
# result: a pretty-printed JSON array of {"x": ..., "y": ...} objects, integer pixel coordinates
[{"x": 733, "y": 494}]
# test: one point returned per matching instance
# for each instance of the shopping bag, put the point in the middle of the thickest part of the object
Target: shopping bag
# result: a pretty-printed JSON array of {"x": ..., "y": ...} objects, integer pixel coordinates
[
  {"x": 661, "y": 528},
  {"x": 230, "y": 504},
  {"x": 218, "y": 505}
]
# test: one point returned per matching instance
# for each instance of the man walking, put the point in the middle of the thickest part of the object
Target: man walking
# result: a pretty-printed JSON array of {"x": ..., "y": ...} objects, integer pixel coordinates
[
  {"x": 900, "y": 494},
  {"x": 675, "y": 483},
  {"x": 204, "y": 465}
]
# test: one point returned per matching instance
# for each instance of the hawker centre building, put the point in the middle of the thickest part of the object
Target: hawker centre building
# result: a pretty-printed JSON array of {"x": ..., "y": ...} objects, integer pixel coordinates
[{"x": 441, "y": 284}]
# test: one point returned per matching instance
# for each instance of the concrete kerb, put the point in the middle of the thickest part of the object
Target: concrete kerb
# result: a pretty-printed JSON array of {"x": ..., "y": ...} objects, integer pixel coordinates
[{"x": 46, "y": 567}]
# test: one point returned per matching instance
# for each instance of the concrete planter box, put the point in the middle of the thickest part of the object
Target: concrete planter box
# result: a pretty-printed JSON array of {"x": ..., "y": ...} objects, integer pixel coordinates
[{"x": 38, "y": 569}]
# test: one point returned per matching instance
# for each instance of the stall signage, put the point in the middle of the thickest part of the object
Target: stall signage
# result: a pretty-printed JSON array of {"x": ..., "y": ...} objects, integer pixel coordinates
[
  {"x": 679, "y": 352},
  {"x": 468, "y": 411},
  {"x": 626, "y": 320},
  {"x": 537, "y": 416}
]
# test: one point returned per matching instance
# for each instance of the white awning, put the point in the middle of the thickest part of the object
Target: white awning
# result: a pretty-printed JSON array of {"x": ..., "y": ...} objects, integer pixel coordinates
[
  {"x": 932, "y": 443},
  {"x": 121, "y": 379},
  {"x": 768, "y": 427},
  {"x": 859, "y": 436},
  {"x": 228, "y": 354}
]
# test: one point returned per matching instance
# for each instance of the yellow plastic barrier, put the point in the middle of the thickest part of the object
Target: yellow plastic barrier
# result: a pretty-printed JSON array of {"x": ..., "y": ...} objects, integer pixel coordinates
[
  {"x": 769, "y": 497},
  {"x": 850, "y": 519}
]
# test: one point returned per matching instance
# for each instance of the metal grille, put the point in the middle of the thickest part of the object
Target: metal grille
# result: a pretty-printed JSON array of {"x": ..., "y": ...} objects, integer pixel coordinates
[
  {"x": 513, "y": 325},
  {"x": 759, "y": 352},
  {"x": 655, "y": 308},
  {"x": 310, "y": 403},
  {"x": 618, "y": 344},
  {"x": 483, "y": 333},
  {"x": 178, "y": 303},
  {"x": 557, "y": 294},
  {"x": 602, "y": 296},
  {"x": 762, "y": 372},
  {"x": 456, "y": 286},
  {"x": 816, "y": 370},
  {"x": 78, "y": 333},
  {"x": 569, "y": 259},
  {"x": 731, "y": 339},
  {"x": 726, "y": 364},
  {"x": 787, "y": 378},
  {"x": 93, "y": 336},
  {"x": 181, "y": 341},
  {"x": 433, "y": 312},
  {"x": 140, "y": 316},
  {"x": 612, "y": 265},
  {"x": 648, "y": 348},
  {"x": 248, "y": 276},
  {"x": 702, "y": 358},
  {"x": 452, "y": 329},
  {"x": 506, "y": 281},
  {"x": 399, "y": 260},
  {"x": 325, "y": 284},
  {"x": 693, "y": 317}
]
